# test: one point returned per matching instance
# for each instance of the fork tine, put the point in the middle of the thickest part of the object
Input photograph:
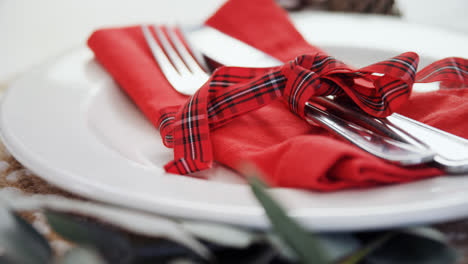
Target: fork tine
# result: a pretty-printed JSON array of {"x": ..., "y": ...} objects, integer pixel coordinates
[
  {"x": 164, "y": 64},
  {"x": 184, "y": 52},
  {"x": 170, "y": 52},
  {"x": 176, "y": 71},
  {"x": 196, "y": 54}
]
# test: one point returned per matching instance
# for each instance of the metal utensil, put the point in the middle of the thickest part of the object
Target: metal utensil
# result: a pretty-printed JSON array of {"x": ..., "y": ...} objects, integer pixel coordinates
[
  {"x": 384, "y": 147},
  {"x": 451, "y": 152},
  {"x": 179, "y": 67},
  {"x": 186, "y": 76}
]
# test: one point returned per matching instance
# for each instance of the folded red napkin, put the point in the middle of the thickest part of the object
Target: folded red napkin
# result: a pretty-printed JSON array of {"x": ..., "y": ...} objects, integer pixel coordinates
[{"x": 289, "y": 152}]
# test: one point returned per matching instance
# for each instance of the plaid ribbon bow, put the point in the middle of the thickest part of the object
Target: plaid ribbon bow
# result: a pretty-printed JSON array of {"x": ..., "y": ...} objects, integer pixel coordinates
[{"x": 378, "y": 89}]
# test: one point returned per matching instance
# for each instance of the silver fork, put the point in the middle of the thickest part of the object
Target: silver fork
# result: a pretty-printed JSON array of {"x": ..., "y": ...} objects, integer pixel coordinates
[
  {"x": 186, "y": 75},
  {"x": 180, "y": 68}
]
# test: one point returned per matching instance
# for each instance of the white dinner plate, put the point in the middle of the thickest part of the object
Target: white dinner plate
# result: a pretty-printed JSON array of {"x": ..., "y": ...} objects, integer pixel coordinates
[{"x": 69, "y": 123}]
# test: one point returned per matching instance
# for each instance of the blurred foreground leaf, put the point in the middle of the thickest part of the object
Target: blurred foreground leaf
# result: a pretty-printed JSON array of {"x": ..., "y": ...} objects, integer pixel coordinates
[
  {"x": 133, "y": 221},
  {"x": 167, "y": 240},
  {"x": 20, "y": 243},
  {"x": 305, "y": 245},
  {"x": 113, "y": 246}
]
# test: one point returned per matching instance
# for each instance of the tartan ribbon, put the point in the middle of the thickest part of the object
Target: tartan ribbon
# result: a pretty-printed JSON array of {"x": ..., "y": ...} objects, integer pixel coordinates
[{"x": 378, "y": 89}]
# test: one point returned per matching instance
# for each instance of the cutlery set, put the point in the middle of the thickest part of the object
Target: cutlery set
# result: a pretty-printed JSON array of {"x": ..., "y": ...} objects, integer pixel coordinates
[{"x": 396, "y": 139}]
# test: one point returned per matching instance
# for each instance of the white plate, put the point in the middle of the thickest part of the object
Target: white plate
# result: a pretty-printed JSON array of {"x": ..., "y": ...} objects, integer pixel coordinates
[{"x": 68, "y": 122}]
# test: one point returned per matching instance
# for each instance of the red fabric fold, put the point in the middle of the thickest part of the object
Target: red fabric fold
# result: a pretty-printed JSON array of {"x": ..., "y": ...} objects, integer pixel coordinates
[
  {"x": 289, "y": 152},
  {"x": 235, "y": 91},
  {"x": 276, "y": 35}
]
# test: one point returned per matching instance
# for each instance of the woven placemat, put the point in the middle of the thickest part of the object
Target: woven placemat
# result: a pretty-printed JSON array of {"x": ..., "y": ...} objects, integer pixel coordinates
[{"x": 14, "y": 176}]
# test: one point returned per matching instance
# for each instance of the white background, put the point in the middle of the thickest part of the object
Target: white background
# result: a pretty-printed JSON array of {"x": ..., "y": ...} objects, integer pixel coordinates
[{"x": 32, "y": 31}]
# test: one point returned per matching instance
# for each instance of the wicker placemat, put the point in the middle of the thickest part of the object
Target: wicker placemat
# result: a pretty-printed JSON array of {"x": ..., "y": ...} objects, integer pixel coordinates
[{"x": 14, "y": 176}]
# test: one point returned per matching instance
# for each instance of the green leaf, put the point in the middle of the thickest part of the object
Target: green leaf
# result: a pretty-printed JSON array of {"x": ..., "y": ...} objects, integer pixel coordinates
[
  {"x": 281, "y": 247},
  {"x": 305, "y": 245},
  {"x": 133, "y": 221},
  {"x": 20, "y": 243},
  {"x": 111, "y": 245},
  {"x": 414, "y": 246},
  {"x": 80, "y": 255}
]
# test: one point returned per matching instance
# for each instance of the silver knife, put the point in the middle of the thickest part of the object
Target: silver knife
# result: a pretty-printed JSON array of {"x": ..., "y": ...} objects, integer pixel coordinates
[{"x": 447, "y": 151}]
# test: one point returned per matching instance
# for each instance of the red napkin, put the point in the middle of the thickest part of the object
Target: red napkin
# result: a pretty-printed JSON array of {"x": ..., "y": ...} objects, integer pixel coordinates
[{"x": 289, "y": 152}]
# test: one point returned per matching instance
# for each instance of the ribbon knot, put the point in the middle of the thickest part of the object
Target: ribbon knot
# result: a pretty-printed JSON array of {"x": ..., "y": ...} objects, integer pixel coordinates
[
  {"x": 304, "y": 80},
  {"x": 378, "y": 89}
]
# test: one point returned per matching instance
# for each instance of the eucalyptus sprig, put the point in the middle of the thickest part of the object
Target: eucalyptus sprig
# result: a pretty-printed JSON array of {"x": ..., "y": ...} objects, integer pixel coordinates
[
  {"x": 132, "y": 237},
  {"x": 410, "y": 245}
]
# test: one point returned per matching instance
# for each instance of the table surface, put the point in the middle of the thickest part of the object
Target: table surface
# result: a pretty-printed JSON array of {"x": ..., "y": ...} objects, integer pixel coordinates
[{"x": 38, "y": 30}]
